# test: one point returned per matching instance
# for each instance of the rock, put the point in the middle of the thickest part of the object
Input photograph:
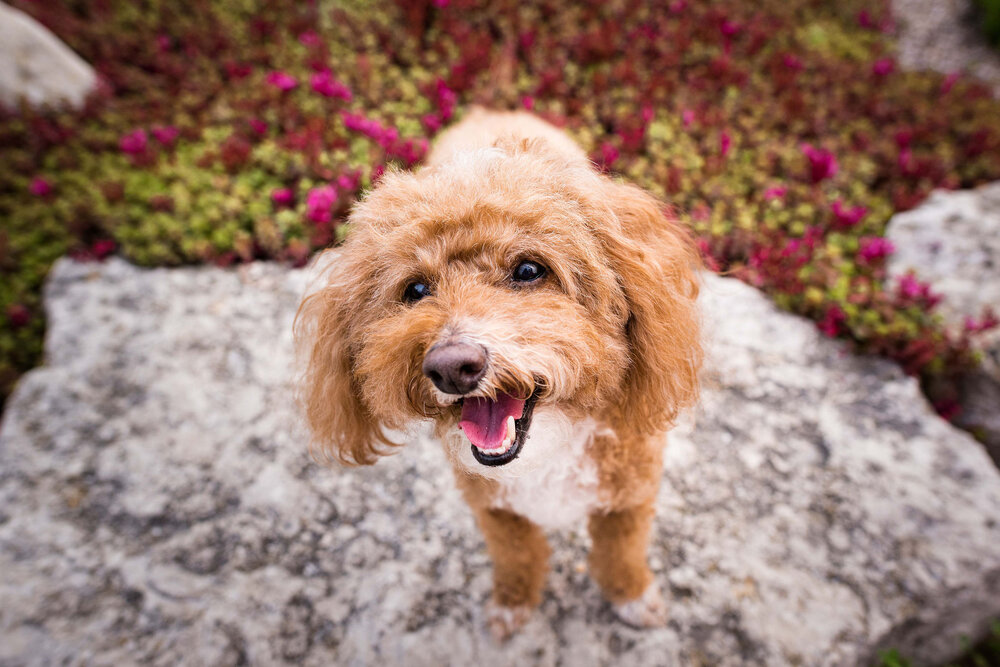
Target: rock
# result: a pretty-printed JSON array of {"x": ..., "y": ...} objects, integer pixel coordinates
[
  {"x": 952, "y": 241},
  {"x": 946, "y": 36},
  {"x": 157, "y": 504},
  {"x": 37, "y": 66}
]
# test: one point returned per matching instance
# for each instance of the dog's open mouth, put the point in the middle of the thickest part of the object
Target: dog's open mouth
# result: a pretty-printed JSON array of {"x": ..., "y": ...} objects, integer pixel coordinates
[{"x": 497, "y": 429}]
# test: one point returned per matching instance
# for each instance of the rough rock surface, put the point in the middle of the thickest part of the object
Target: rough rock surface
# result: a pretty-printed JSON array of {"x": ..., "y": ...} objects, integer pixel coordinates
[
  {"x": 157, "y": 504},
  {"x": 943, "y": 35},
  {"x": 952, "y": 241},
  {"x": 37, "y": 66}
]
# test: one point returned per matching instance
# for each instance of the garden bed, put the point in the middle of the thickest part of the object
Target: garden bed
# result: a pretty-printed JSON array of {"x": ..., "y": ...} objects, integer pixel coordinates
[{"x": 784, "y": 133}]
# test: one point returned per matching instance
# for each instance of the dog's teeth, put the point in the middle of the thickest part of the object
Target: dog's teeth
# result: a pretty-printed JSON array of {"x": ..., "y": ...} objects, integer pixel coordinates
[{"x": 511, "y": 432}]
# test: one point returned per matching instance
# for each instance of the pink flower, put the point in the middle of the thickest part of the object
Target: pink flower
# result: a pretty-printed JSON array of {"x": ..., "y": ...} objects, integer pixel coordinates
[
  {"x": 349, "y": 182},
  {"x": 309, "y": 38},
  {"x": 883, "y": 67},
  {"x": 528, "y": 102},
  {"x": 165, "y": 134},
  {"x": 687, "y": 117},
  {"x": 845, "y": 218},
  {"x": 320, "y": 202},
  {"x": 832, "y": 321},
  {"x": 163, "y": 42},
  {"x": 18, "y": 315},
  {"x": 792, "y": 62},
  {"x": 102, "y": 248},
  {"x": 446, "y": 99},
  {"x": 327, "y": 86},
  {"x": 258, "y": 126},
  {"x": 647, "y": 114},
  {"x": 729, "y": 28},
  {"x": 678, "y": 6},
  {"x": 40, "y": 187},
  {"x": 910, "y": 288},
  {"x": 949, "y": 82},
  {"x": 282, "y": 80},
  {"x": 988, "y": 321},
  {"x": 775, "y": 192},
  {"x": 865, "y": 20},
  {"x": 822, "y": 163},
  {"x": 282, "y": 196},
  {"x": 134, "y": 142},
  {"x": 609, "y": 154},
  {"x": 431, "y": 122},
  {"x": 872, "y": 248},
  {"x": 725, "y": 142}
]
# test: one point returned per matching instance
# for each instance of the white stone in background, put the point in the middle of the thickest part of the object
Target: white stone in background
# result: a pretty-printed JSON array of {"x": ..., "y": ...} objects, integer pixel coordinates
[
  {"x": 157, "y": 505},
  {"x": 37, "y": 66},
  {"x": 952, "y": 241},
  {"x": 944, "y": 35}
]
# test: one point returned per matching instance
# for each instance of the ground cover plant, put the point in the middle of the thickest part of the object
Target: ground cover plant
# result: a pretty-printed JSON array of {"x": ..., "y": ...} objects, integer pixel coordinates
[{"x": 225, "y": 131}]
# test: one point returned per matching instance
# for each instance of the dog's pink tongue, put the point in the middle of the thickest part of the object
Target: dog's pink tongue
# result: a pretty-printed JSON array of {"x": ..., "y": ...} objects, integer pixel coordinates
[{"x": 485, "y": 421}]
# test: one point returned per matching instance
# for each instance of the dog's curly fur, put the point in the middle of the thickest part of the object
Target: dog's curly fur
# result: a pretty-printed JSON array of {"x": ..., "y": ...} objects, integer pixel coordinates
[{"x": 608, "y": 341}]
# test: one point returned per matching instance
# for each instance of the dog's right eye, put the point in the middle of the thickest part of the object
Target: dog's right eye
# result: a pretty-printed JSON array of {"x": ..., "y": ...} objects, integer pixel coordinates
[{"x": 415, "y": 292}]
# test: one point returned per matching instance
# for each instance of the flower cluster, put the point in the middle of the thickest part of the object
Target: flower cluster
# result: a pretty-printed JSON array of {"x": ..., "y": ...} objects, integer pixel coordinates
[{"x": 781, "y": 131}]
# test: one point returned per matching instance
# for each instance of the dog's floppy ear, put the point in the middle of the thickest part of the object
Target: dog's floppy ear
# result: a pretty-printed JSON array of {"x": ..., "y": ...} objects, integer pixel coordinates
[
  {"x": 343, "y": 429},
  {"x": 657, "y": 266}
]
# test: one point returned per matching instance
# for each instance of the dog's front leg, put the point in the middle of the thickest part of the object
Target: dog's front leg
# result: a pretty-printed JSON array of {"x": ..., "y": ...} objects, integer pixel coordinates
[
  {"x": 618, "y": 564},
  {"x": 520, "y": 556}
]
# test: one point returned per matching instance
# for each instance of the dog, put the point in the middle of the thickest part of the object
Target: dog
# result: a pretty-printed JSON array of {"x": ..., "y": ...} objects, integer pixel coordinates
[{"x": 543, "y": 316}]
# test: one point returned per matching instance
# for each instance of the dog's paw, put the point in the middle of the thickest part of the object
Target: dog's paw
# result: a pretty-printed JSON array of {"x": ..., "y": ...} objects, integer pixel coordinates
[
  {"x": 649, "y": 610},
  {"x": 505, "y": 621}
]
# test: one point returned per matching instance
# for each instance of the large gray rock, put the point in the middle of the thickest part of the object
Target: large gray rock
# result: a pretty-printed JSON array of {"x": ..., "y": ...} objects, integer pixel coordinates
[
  {"x": 952, "y": 241},
  {"x": 37, "y": 66},
  {"x": 157, "y": 504}
]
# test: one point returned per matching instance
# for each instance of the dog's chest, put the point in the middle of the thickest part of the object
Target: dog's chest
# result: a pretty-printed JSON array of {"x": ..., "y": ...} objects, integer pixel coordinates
[{"x": 563, "y": 488}]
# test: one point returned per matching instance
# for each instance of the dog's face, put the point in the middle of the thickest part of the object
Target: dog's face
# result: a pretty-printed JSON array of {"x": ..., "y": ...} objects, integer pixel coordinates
[{"x": 484, "y": 290}]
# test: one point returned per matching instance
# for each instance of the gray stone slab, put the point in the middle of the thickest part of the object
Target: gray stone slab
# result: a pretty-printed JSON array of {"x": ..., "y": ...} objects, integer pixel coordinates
[{"x": 157, "y": 504}]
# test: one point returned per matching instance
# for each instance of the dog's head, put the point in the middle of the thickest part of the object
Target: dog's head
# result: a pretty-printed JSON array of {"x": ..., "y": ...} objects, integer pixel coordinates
[{"x": 481, "y": 290}]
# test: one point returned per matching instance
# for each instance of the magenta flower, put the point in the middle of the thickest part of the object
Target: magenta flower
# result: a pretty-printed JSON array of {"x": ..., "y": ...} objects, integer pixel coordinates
[
  {"x": 775, "y": 192},
  {"x": 40, "y": 187},
  {"x": 910, "y": 288},
  {"x": 832, "y": 321},
  {"x": 18, "y": 315},
  {"x": 845, "y": 218},
  {"x": 319, "y": 204},
  {"x": 349, "y": 182},
  {"x": 872, "y": 248},
  {"x": 282, "y": 196},
  {"x": 431, "y": 122},
  {"x": 729, "y": 28},
  {"x": 164, "y": 42},
  {"x": 258, "y": 126},
  {"x": 792, "y": 62},
  {"x": 165, "y": 134},
  {"x": 609, "y": 154},
  {"x": 949, "y": 82},
  {"x": 687, "y": 117},
  {"x": 883, "y": 67},
  {"x": 725, "y": 142},
  {"x": 822, "y": 163},
  {"x": 282, "y": 80},
  {"x": 134, "y": 142},
  {"x": 865, "y": 20},
  {"x": 309, "y": 38},
  {"x": 528, "y": 102},
  {"x": 101, "y": 248},
  {"x": 327, "y": 86}
]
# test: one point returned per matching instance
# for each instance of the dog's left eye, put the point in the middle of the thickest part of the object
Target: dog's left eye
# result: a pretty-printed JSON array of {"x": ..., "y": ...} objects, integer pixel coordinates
[{"x": 527, "y": 272}]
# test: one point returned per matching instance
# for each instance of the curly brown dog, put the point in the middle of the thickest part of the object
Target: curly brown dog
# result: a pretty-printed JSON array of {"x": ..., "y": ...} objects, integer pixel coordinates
[{"x": 544, "y": 317}]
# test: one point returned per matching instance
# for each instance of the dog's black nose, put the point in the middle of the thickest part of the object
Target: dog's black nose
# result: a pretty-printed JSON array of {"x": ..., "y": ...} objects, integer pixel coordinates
[{"x": 455, "y": 368}]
